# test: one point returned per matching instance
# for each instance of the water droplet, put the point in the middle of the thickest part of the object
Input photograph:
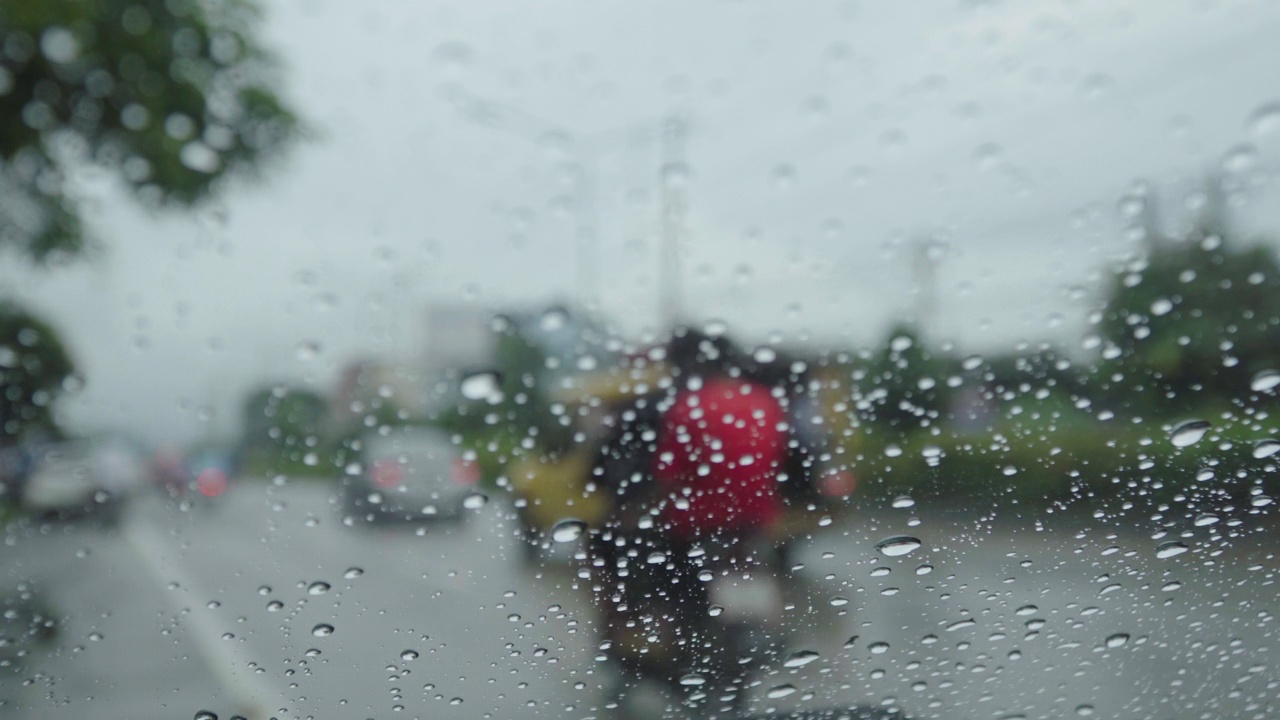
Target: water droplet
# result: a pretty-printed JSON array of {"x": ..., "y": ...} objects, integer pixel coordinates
[
  {"x": 878, "y": 648},
  {"x": 1240, "y": 158},
  {"x": 312, "y": 652},
  {"x": 408, "y": 655},
  {"x": 1259, "y": 501},
  {"x": 903, "y": 501},
  {"x": 1265, "y": 381},
  {"x": 318, "y": 587},
  {"x": 715, "y": 610},
  {"x": 322, "y": 630},
  {"x": 1170, "y": 549},
  {"x": 1266, "y": 448},
  {"x": 1084, "y": 710},
  {"x": 568, "y": 530},
  {"x": 275, "y": 606},
  {"x": 1171, "y": 586},
  {"x": 839, "y": 601},
  {"x": 924, "y": 569},
  {"x": 692, "y": 679},
  {"x": 879, "y": 572},
  {"x": 1188, "y": 433},
  {"x": 475, "y": 501},
  {"x": 1207, "y": 519},
  {"x": 706, "y": 575},
  {"x": 780, "y": 691},
  {"x": 1265, "y": 120},
  {"x": 264, "y": 590},
  {"x": 307, "y": 350},
  {"x": 1117, "y": 640},
  {"x": 206, "y": 715},
  {"x": 1026, "y": 610},
  {"x": 988, "y": 156},
  {"x": 353, "y": 573},
  {"x": 482, "y": 385},
  {"x": 783, "y": 177},
  {"x": 800, "y": 659},
  {"x": 898, "y": 545},
  {"x": 851, "y": 642},
  {"x": 960, "y": 625},
  {"x": 656, "y": 558}
]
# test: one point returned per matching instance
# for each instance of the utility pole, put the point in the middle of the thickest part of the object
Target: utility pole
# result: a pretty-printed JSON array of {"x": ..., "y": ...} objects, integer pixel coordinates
[
  {"x": 673, "y": 176},
  {"x": 588, "y": 254},
  {"x": 925, "y": 254}
]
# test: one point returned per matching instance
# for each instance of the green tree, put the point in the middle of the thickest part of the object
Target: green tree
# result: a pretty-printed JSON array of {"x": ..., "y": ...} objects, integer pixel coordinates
[
  {"x": 906, "y": 382},
  {"x": 34, "y": 368},
  {"x": 1193, "y": 319},
  {"x": 168, "y": 95},
  {"x": 283, "y": 417}
]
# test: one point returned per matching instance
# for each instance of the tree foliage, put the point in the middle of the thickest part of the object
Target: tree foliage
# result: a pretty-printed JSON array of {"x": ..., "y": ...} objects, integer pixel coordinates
[
  {"x": 34, "y": 367},
  {"x": 1194, "y": 317},
  {"x": 168, "y": 95}
]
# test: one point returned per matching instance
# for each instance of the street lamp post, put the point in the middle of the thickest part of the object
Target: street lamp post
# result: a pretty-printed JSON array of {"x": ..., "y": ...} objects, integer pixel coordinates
[{"x": 587, "y": 150}]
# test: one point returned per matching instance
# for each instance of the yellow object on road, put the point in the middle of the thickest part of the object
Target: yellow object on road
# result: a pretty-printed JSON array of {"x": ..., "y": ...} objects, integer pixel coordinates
[{"x": 556, "y": 489}]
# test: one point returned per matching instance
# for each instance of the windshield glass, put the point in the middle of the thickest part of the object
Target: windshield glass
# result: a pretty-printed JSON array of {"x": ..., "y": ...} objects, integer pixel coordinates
[{"x": 608, "y": 360}]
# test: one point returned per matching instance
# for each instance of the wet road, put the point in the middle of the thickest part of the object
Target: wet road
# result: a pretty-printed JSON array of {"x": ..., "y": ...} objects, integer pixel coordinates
[{"x": 225, "y": 609}]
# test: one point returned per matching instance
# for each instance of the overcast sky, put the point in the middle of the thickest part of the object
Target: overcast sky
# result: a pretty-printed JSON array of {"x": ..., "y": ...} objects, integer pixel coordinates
[{"x": 823, "y": 137}]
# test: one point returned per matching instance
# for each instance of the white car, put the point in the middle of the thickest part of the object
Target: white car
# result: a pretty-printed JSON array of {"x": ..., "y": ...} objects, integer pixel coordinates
[
  {"x": 410, "y": 473},
  {"x": 75, "y": 479}
]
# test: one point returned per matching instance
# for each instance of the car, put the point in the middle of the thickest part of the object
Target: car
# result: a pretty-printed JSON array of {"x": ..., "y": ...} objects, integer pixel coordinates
[
  {"x": 409, "y": 473},
  {"x": 78, "y": 479}
]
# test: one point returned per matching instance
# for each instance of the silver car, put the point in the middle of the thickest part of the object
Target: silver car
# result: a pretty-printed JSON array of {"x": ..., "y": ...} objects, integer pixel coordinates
[{"x": 409, "y": 473}]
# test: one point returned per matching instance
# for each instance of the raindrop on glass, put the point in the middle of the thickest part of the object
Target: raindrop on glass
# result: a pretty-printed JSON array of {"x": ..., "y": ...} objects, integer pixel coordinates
[
  {"x": 780, "y": 691},
  {"x": 903, "y": 501},
  {"x": 1170, "y": 549},
  {"x": 800, "y": 659},
  {"x": 408, "y": 655},
  {"x": 322, "y": 630},
  {"x": 1266, "y": 448},
  {"x": 567, "y": 531},
  {"x": 318, "y": 587},
  {"x": 1265, "y": 381},
  {"x": 480, "y": 385},
  {"x": 1188, "y": 433},
  {"x": 898, "y": 545},
  {"x": 1117, "y": 640}
]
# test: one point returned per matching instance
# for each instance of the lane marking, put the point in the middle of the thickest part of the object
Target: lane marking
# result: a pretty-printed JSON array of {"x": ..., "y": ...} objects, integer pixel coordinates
[{"x": 253, "y": 696}]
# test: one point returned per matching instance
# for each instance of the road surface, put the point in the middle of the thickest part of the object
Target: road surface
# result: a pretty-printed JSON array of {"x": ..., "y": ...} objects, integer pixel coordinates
[{"x": 226, "y": 608}]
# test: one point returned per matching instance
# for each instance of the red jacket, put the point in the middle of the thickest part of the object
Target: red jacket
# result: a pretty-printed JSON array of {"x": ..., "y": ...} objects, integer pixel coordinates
[{"x": 719, "y": 452}]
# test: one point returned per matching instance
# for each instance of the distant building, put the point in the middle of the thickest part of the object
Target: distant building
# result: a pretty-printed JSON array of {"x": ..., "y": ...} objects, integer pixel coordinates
[
  {"x": 371, "y": 387},
  {"x": 456, "y": 337}
]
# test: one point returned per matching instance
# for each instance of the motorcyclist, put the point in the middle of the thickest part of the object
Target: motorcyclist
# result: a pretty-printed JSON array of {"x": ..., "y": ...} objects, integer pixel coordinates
[{"x": 695, "y": 469}]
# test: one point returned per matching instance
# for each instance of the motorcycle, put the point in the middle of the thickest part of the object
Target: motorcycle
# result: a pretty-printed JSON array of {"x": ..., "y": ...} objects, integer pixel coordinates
[{"x": 687, "y": 620}]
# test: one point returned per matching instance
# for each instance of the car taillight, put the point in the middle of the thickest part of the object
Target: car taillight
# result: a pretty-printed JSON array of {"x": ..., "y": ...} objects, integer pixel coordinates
[
  {"x": 211, "y": 482},
  {"x": 386, "y": 473},
  {"x": 465, "y": 472},
  {"x": 838, "y": 484}
]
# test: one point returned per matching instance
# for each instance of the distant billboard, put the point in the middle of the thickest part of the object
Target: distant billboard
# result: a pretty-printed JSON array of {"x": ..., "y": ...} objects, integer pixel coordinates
[{"x": 455, "y": 337}]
